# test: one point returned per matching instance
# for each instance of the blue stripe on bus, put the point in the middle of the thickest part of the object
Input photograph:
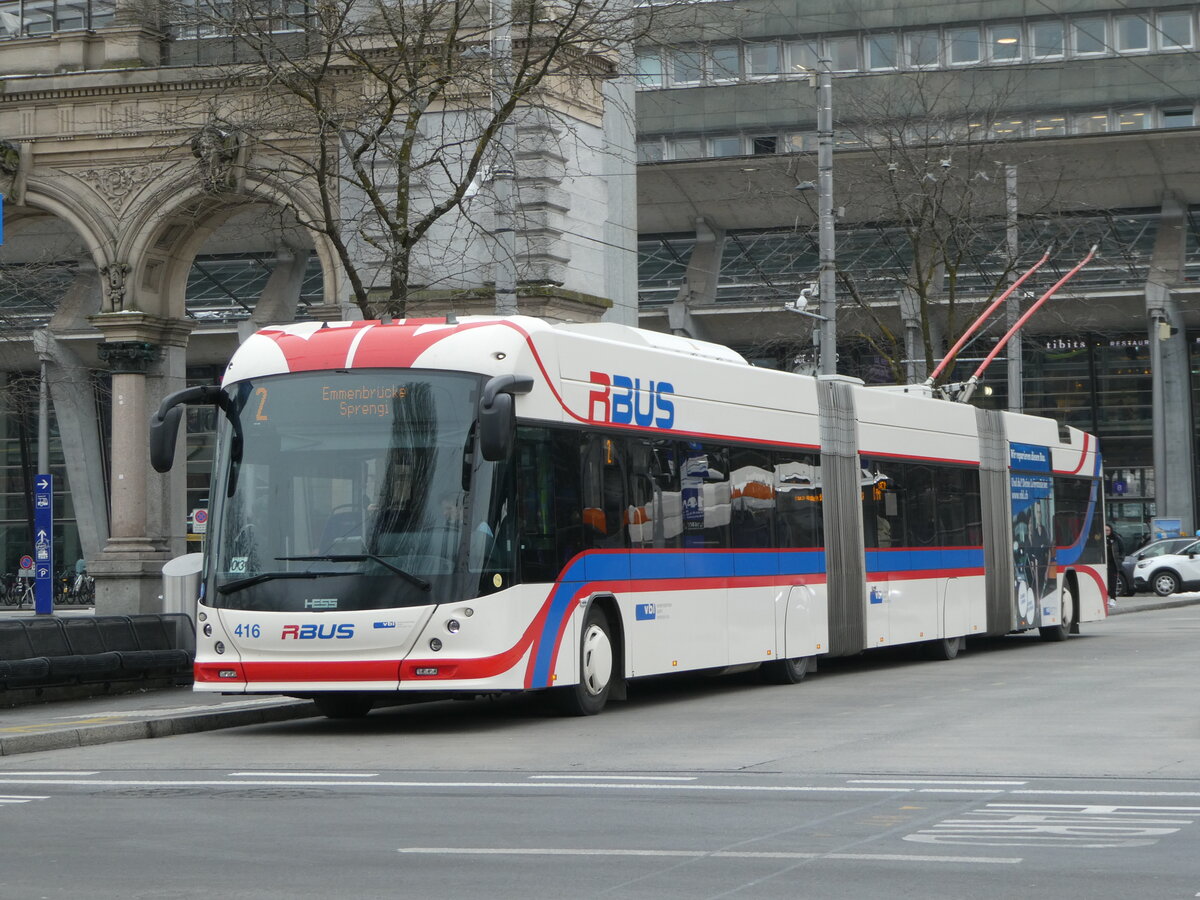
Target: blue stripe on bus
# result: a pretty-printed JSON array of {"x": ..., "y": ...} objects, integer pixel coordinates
[{"x": 658, "y": 565}]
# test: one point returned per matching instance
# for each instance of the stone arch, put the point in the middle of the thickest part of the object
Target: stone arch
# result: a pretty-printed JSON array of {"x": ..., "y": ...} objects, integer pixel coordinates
[{"x": 176, "y": 220}]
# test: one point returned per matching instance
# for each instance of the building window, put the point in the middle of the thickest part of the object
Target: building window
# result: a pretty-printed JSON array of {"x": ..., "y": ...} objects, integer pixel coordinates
[
  {"x": 686, "y": 67},
  {"x": 650, "y": 151},
  {"x": 1047, "y": 39},
  {"x": 802, "y": 56},
  {"x": 1133, "y": 120},
  {"x": 1005, "y": 42},
  {"x": 804, "y": 142},
  {"x": 1175, "y": 30},
  {"x": 1133, "y": 33},
  {"x": 1089, "y": 36},
  {"x": 881, "y": 51},
  {"x": 649, "y": 68},
  {"x": 689, "y": 148},
  {"x": 1178, "y": 118},
  {"x": 843, "y": 54},
  {"x": 921, "y": 49},
  {"x": 762, "y": 60},
  {"x": 1090, "y": 123},
  {"x": 964, "y": 45},
  {"x": 726, "y": 63},
  {"x": 1049, "y": 126},
  {"x": 730, "y": 145},
  {"x": 762, "y": 146}
]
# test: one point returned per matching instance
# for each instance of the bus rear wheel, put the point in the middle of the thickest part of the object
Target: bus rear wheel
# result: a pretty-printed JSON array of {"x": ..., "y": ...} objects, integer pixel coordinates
[
  {"x": 944, "y": 648},
  {"x": 343, "y": 706},
  {"x": 785, "y": 671},
  {"x": 590, "y": 695},
  {"x": 1066, "y": 617}
]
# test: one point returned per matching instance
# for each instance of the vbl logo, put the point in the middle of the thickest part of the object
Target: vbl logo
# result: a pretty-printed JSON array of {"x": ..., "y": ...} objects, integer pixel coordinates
[
  {"x": 317, "y": 632},
  {"x": 623, "y": 401}
]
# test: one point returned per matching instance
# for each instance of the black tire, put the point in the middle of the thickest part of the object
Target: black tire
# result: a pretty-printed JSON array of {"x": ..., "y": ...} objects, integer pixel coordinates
[
  {"x": 944, "y": 649},
  {"x": 1165, "y": 582},
  {"x": 1124, "y": 589},
  {"x": 1066, "y": 619},
  {"x": 785, "y": 671},
  {"x": 596, "y": 668},
  {"x": 344, "y": 706}
]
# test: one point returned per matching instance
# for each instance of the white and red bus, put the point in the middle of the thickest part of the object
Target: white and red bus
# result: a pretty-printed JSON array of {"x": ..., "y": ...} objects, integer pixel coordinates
[{"x": 488, "y": 505}]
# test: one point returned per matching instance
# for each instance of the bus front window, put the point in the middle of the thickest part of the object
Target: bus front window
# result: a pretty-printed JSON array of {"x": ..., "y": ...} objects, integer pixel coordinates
[{"x": 353, "y": 491}]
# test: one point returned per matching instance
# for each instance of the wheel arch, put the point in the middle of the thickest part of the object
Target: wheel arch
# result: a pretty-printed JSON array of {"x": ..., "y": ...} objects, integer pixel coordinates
[
  {"x": 1071, "y": 583},
  {"x": 616, "y": 625}
]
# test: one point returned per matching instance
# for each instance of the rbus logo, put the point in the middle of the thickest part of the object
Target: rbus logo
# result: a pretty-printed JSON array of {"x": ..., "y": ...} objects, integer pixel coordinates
[
  {"x": 623, "y": 401},
  {"x": 317, "y": 632}
]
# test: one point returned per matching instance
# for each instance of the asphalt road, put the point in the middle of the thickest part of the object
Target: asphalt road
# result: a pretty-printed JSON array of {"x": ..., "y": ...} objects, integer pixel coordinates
[{"x": 1020, "y": 769}]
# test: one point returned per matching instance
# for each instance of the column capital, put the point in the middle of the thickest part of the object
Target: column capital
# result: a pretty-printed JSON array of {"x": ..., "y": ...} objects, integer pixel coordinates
[
  {"x": 128, "y": 357},
  {"x": 139, "y": 326}
]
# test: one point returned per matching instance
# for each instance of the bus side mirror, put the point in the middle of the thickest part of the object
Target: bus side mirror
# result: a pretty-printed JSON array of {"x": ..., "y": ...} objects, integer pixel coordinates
[
  {"x": 497, "y": 420},
  {"x": 164, "y": 424}
]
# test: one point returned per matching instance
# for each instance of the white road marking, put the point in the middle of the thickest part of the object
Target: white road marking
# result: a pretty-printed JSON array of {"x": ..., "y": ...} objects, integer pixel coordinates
[
  {"x": 14, "y": 798},
  {"x": 159, "y": 710},
  {"x": 707, "y": 854},
  {"x": 928, "y": 781},
  {"x": 303, "y": 774},
  {"x": 1103, "y": 793},
  {"x": 48, "y": 774},
  {"x": 616, "y": 777}
]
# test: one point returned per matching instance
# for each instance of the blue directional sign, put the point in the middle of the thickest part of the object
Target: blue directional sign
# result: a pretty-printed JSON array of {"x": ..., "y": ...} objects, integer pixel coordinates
[{"x": 43, "y": 544}]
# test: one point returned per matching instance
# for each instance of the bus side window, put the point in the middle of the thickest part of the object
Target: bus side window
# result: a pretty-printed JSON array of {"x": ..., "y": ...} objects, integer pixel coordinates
[
  {"x": 799, "y": 522},
  {"x": 604, "y": 492},
  {"x": 752, "y": 498},
  {"x": 550, "y": 502}
]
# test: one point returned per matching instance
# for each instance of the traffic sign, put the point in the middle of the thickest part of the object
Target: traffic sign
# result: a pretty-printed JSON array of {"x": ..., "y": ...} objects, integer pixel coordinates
[
  {"x": 43, "y": 544},
  {"x": 199, "y": 521},
  {"x": 26, "y": 562}
]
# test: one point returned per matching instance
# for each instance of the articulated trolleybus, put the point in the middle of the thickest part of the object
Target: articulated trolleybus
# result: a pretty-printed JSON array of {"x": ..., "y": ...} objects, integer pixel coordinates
[{"x": 502, "y": 504}]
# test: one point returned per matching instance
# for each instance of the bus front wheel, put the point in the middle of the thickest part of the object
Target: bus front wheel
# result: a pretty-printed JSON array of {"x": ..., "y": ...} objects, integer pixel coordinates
[{"x": 590, "y": 695}]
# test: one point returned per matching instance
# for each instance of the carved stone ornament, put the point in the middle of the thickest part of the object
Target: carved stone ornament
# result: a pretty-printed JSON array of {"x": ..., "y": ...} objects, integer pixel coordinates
[
  {"x": 114, "y": 276},
  {"x": 116, "y": 183},
  {"x": 216, "y": 150},
  {"x": 127, "y": 357}
]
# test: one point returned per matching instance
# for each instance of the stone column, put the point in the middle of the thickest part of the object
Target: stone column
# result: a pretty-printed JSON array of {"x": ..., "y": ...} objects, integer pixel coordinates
[{"x": 128, "y": 571}]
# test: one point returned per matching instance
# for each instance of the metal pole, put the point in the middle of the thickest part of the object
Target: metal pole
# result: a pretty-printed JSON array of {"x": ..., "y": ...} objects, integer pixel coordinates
[
  {"x": 1016, "y": 375},
  {"x": 43, "y": 450},
  {"x": 505, "y": 272},
  {"x": 825, "y": 235}
]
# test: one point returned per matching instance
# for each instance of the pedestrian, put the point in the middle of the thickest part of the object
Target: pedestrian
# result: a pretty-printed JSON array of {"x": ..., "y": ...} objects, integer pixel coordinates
[{"x": 1114, "y": 551}]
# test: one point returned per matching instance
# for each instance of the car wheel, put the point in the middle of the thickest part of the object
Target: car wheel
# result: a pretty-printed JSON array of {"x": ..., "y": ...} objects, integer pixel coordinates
[
  {"x": 1124, "y": 589},
  {"x": 1165, "y": 583}
]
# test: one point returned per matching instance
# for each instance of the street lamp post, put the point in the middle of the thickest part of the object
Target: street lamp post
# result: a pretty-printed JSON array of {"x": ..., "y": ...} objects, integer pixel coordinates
[{"x": 828, "y": 272}]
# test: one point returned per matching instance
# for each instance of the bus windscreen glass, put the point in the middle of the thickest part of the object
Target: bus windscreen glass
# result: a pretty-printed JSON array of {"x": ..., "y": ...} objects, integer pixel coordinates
[{"x": 349, "y": 491}]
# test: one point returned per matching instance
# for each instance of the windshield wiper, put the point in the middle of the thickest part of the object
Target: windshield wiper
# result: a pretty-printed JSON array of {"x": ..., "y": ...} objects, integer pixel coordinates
[
  {"x": 360, "y": 557},
  {"x": 231, "y": 586}
]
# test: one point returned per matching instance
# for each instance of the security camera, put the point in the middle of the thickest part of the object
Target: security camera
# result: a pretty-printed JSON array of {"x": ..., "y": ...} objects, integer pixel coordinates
[{"x": 945, "y": 163}]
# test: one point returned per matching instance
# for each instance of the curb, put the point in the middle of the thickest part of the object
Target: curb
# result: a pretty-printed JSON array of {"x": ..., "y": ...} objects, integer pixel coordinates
[
  {"x": 91, "y": 735},
  {"x": 1147, "y": 606}
]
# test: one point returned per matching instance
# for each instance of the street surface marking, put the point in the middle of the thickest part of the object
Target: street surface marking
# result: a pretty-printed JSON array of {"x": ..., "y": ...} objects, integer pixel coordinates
[
  {"x": 176, "y": 710},
  {"x": 618, "y": 777},
  {"x": 1103, "y": 793},
  {"x": 928, "y": 781},
  {"x": 706, "y": 854},
  {"x": 14, "y": 798},
  {"x": 77, "y": 774},
  {"x": 303, "y": 774},
  {"x": 1087, "y": 827}
]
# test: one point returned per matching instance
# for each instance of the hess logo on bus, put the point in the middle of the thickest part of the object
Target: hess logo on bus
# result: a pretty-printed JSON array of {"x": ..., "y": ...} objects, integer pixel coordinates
[
  {"x": 318, "y": 632},
  {"x": 626, "y": 401}
]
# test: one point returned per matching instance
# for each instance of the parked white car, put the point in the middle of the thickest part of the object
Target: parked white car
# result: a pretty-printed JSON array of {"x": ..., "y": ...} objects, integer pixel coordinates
[{"x": 1170, "y": 573}]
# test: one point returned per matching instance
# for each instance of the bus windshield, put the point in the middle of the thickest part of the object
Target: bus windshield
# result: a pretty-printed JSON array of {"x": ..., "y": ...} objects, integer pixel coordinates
[{"x": 352, "y": 490}]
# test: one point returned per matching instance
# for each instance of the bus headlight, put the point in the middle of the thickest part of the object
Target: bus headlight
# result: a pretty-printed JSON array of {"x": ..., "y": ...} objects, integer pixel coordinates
[
  {"x": 435, "y": 644},
  {"x": 208, "y": 629},
  {"x": 219, "y": 647},
  {"x": 452, "y": 626}
]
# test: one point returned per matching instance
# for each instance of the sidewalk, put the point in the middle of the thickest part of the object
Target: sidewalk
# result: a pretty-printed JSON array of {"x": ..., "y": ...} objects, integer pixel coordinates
[{"x": 170, "y": 711}]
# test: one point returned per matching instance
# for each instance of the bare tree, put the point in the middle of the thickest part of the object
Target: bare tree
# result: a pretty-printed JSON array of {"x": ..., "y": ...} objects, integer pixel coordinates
[{"x": 393, "y": 114}]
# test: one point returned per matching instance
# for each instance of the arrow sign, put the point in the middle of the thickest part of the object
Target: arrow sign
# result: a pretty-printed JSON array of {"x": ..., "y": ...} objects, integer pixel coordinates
[{"x": 43, "y": 529}]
